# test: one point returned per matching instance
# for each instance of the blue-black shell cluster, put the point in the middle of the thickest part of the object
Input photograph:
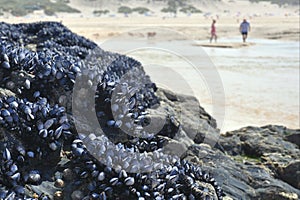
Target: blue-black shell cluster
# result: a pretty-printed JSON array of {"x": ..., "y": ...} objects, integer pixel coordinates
[{"x": 39, "y": 63}]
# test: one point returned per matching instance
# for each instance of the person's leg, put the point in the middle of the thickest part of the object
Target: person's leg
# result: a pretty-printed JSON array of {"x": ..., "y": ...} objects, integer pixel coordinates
[
  {"x": 244, "y": 37},
  {"x": 216, "y": 38}
]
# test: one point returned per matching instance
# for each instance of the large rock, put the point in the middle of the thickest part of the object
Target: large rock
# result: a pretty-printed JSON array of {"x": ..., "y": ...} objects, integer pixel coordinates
[
  {"x": 39, "y": 63},
  {"x": 195, "y": 123},
  {"x": 256, "y": 141},
  {"x": 291, "y": 173},
  {"x": 267, "y": 158},
  {"x": 259, "y": 162},
  {"x": 241, "y": 179}
]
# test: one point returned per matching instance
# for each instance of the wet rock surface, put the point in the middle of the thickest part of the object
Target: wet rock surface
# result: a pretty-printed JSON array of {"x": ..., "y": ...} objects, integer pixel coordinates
[
  {"x": 49, "y": 150},
  {"x": 268, "y": 160}
]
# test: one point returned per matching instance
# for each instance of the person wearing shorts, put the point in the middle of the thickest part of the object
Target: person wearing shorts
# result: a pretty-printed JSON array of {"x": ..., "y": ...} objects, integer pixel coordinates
[
  {"x": 244, "y": 29},
  {"x": 213, "y": 32}
]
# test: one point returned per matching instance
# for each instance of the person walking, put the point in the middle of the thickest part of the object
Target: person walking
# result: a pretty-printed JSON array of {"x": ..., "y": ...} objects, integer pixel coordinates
[
  {"x": 244, "y": 29},
  {"x": 213, "y": 31}
]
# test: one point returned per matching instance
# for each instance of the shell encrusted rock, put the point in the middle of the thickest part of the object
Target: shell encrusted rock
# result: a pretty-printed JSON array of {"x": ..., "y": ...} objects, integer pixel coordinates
[{"x": 44, "y": 156}]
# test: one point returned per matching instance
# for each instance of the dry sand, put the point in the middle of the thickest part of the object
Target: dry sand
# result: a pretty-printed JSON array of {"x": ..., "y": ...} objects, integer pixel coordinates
[{"x": 195, "y": 27}]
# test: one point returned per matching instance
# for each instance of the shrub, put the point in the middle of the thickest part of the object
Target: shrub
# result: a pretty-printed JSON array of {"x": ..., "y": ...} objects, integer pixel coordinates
[
  {"x": 169, "y": 10},
  {"x": 190, "y": 9},
  {"x": 125, "y": 10},
  {"x": 141, "y": 10},
  {"x": 49, "y": 12},
  {"x": 23, "y": 7},
  {"x": 100, "y": 12}
]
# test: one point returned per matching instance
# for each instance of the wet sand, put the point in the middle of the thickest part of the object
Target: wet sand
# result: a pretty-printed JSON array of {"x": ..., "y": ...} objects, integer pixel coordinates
[
  {"x": 260, "y": 82},
  {"x": 225, "y": 44}
]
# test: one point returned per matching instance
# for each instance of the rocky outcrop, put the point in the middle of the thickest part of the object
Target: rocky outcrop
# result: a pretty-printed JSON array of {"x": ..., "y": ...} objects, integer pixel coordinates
[
  {"x": 52, "y": 83},
  {"x": 249, "y": 163},
  {"x": 274, "y": 146}
]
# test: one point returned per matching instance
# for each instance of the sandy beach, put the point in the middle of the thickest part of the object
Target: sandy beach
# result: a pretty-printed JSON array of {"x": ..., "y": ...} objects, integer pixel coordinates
[
  {"x": 194, "y": 27},
  {"x": 255, "y": 94}
]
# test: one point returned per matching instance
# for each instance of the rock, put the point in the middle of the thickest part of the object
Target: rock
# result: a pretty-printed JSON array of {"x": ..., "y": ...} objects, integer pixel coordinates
[
  {"x": 267, "y": 152},
  {"x": 228, "y": 173},
  {"x": 40, "y": 122},
  {"x": 274, "y": 194},
  {"x": 196, "y": 124},
  {"x": 255, "y": 141},
  {"x": 294, "y": 138},
  {"x": 170, "y": 95},
  {"x": 266, "y": 142},
  {"x": 240, "y": 180},
  {"x": 46, "y": 187},
  {"x": 77, "y": 195},
  {"x": 291, "y": 173}
]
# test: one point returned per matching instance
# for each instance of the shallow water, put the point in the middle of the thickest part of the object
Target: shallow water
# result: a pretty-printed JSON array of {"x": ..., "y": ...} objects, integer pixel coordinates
[{"x": 260, "y": 83}]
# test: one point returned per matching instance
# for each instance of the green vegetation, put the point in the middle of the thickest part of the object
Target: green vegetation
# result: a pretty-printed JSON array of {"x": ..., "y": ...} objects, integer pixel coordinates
[
  {"x": 125, "y": 10},
  {"x": 128, "y": 10},
  {"x": 190, "y": 9},
  {"x": 141, "y": 10},
  {"x": 169, "y": 10},
  {"x": 24, "y": 7},
  {"x": 174, "y": 5},
  {"x": 100, "y": 12},
  {"x": 280, "y": 2}
]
